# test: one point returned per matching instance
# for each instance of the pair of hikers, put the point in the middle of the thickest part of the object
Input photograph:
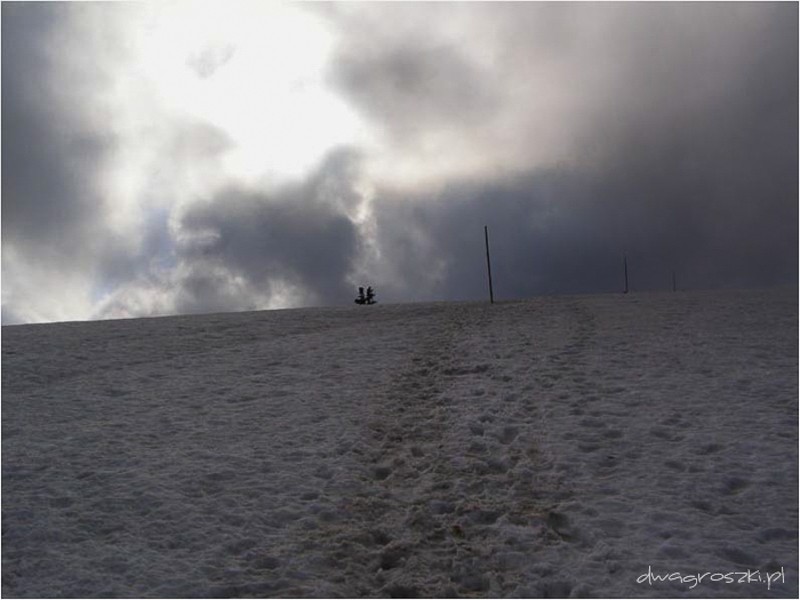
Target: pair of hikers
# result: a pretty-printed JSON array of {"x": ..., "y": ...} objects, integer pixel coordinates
[{"x": 368, "y": 298}]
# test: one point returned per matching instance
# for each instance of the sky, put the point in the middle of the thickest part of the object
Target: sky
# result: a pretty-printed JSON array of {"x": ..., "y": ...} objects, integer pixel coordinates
[{"x": 188, "y": 157}]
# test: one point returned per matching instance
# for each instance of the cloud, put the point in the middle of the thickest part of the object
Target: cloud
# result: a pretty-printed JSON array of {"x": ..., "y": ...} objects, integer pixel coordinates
[
  {"x": 295, "y": 237},
  {"x": 43, "y": 188},
  {"x": 210, "y": 59},
  {"x": 414, "y": 87},
  {"x": 244, "y": 249},
  {"x": 576, "y": 132},
  {"x": 482, "y": 90},
  {"x": 88, "y": 184},
  {"x": 52, "y": 227},
  {"x": 665, "y": 131},
  {"x": 561, "y": 231}
]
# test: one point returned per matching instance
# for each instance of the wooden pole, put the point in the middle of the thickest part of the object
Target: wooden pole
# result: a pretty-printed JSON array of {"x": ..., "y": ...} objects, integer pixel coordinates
[
  {"x": 488, "y": 263},
  {"x": 625, "y": 267}
]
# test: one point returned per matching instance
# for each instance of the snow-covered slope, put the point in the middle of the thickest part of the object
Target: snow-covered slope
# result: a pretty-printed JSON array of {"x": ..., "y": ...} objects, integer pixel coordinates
[{"x": 562, "y": 446}]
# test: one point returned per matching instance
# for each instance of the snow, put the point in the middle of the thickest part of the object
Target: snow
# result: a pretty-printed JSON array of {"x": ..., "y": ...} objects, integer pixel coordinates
[{"x": 561, "y": 446}]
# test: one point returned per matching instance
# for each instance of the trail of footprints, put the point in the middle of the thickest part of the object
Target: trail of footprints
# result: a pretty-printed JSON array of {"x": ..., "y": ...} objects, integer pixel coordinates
[
  {"x": 453, "y": 469},
  {"x": 452, "y": 472}
]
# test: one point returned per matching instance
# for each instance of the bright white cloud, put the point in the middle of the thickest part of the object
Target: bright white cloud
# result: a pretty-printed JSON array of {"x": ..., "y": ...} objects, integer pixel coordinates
[{"x": 262, "y": 85}]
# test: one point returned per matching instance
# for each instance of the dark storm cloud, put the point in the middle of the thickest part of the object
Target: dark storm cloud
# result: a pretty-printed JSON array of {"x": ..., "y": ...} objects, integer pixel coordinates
[
  {"x": 300, "y": 236},
  {"x": 55, "y": 147},
  {"x": 414, "y": 86},
  {"x": 537, "y": 246},
  {"x": 552, "y": 232},
  {"x": 682, "y": 130},
  {"x": 50, "y": 151},
  {"x": 575, "y": 74}
]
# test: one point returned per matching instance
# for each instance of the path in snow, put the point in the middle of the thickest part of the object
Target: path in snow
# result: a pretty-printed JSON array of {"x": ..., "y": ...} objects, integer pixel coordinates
[
  {"x": 450, "y": 480},
  {"x": 553, "y": 447}
]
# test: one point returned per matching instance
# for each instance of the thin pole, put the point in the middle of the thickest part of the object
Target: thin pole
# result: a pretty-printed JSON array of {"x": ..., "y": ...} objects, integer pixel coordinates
[
  {"x": 488, "y": 263},
  {"x": 625, "y": 266}
]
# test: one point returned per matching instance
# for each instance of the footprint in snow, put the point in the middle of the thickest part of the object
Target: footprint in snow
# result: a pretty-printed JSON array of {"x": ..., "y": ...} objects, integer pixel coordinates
[{"x": 508, "y": 434}]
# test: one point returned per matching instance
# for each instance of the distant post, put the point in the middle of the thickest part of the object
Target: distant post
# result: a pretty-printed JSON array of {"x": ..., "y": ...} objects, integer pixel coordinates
[
  {"x": 488, "y": 263},
  {"x": 625, "y": 267}
]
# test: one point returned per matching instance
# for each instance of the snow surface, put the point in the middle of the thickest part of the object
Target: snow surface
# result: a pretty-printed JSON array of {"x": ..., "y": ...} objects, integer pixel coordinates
[{"x": 552, "y": 447}]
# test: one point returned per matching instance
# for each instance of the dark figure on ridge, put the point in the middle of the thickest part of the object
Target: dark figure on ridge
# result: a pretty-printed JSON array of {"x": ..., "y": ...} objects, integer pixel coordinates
[{"x": 368, "y": 298}]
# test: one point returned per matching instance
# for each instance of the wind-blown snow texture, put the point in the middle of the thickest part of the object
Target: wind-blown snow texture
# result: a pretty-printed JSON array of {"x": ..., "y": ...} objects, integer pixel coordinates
[{"x": 552, "y": 447}]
